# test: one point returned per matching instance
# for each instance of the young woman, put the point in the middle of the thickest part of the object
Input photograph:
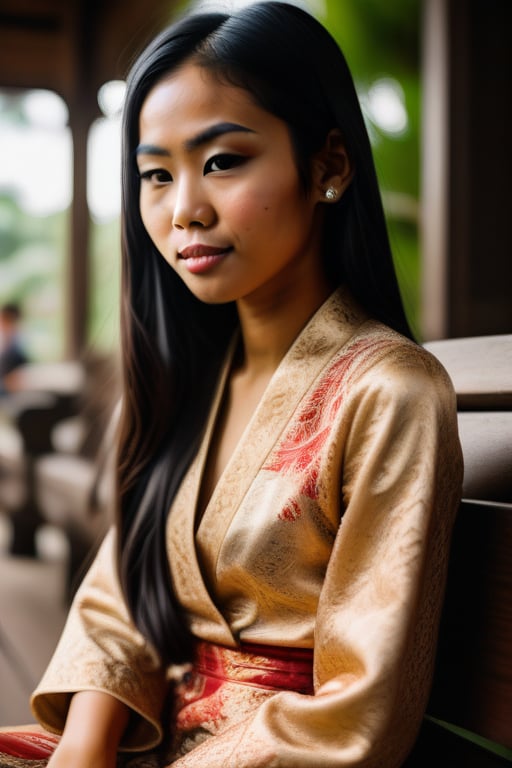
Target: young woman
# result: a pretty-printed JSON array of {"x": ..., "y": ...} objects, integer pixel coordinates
[{"x": 289, "y": 466}]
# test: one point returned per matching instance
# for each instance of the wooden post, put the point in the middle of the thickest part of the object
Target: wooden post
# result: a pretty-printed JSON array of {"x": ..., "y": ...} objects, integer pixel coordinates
[{"x": 467, "y": 165}]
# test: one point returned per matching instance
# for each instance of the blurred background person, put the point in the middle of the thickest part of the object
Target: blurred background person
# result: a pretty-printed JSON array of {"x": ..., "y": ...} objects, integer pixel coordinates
[{"x": 12, "y": 348}]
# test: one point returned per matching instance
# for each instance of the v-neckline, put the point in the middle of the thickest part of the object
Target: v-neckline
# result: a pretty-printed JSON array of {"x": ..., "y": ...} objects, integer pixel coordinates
[
  {"x": 329, "y": 329},
  {"x": 280, "y": 398}
]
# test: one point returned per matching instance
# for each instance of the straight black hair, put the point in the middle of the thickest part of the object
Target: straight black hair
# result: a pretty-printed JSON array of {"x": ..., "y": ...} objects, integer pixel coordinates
[{"x": 173, "y": 345}]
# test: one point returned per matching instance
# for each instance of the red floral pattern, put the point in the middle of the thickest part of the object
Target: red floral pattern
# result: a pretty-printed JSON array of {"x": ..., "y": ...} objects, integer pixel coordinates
[{"x": 299, "y": 452}]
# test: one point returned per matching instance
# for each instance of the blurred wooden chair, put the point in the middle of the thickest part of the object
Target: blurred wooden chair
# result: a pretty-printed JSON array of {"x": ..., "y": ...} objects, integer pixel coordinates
[
  {"x": 57, "y": 451},
  {"x": 46, "y": 394},
  {"x": 74, "y": 483}
]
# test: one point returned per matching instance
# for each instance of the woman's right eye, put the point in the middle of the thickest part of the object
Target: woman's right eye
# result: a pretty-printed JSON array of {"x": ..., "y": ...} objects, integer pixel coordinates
[{"x": 156, "y": 176}]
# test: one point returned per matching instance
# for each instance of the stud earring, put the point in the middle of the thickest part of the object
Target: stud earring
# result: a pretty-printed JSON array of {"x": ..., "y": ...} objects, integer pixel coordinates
[{"x": 331, "y": 194}]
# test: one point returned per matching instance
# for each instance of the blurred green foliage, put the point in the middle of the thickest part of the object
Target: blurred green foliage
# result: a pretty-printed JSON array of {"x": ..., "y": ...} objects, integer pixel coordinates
[
  {"x": 33, "y": 272},
  {"x": 105, "y": 282},
  {"x": 381, "y": 41}
]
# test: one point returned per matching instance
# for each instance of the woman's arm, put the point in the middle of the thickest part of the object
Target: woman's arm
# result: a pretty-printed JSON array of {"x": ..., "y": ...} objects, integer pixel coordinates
[
  {"x": 94, "y": 727},
  {"x": 101, "y": 650}
]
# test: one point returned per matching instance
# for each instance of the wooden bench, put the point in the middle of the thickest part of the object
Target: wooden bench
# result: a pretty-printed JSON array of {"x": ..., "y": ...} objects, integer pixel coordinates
[{"x": 469, "y": 720}]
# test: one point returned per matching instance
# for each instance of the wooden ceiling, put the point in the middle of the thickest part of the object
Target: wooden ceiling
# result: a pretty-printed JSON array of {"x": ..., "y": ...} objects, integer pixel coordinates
[{"x": 74, "y": 46}]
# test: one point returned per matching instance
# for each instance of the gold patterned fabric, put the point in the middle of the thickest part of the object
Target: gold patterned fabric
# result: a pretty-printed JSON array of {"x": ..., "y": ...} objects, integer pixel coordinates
[
  {"x": 221, "y": 683},
  {"x": 329, "y": 530}
]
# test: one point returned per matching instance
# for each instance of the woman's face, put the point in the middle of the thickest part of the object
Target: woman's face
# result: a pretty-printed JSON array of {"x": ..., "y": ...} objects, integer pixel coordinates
[{"x": 220, "y": 192}]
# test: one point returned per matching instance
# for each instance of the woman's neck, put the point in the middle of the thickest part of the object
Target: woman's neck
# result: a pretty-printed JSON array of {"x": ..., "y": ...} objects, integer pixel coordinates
[{"x": 271, "y": 326}]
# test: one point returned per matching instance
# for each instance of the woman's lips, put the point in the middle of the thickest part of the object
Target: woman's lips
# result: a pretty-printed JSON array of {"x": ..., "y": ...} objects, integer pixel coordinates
[{"x": 201, "y": 258}]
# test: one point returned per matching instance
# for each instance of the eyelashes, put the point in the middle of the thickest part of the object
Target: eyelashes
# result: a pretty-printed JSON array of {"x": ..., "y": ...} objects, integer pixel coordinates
[
  {"x": 156, "y": 175},
  {"x": 218, "y": 163},
  {"x": 223, "y": 162}
]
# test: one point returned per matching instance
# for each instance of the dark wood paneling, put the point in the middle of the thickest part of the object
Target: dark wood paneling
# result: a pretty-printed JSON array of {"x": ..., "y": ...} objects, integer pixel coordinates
[
  {"x": 480, "y": 167},
  {"x": 473, "y": 681}
]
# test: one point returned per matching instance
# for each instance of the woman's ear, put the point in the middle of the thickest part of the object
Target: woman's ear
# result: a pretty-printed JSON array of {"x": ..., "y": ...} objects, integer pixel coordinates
[{"x": 332, "y": 170}]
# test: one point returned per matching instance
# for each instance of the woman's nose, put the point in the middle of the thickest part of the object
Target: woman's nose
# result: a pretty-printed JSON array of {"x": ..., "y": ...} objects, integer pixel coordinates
[{"x": 191, "y": 207}]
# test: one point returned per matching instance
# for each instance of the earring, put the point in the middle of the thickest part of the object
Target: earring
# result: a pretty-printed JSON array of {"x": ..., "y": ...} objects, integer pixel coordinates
[{"x": 331, "y": 194}]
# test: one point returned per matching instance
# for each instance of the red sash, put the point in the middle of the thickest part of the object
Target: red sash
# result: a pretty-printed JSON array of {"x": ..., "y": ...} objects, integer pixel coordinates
[{"x": 223, "y": 686}]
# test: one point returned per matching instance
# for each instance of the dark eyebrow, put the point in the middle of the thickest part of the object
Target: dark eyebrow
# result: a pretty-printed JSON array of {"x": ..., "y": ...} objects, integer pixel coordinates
[
  {"x": 210, "y": 133},
  {"x": 151, "y": 149},
  {"x": 219, "y": 129}
]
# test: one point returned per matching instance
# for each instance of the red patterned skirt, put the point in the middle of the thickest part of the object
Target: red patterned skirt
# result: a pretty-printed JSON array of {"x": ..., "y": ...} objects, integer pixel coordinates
[{"x": 223, "y": 687}]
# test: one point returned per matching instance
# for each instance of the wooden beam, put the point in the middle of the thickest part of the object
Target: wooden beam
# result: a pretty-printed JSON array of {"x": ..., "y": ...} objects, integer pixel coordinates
[{"x": 434, "y": 195}]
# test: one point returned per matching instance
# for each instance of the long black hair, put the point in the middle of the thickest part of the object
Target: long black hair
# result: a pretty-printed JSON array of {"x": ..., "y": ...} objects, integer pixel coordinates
[{"x": 173, "y": 345}]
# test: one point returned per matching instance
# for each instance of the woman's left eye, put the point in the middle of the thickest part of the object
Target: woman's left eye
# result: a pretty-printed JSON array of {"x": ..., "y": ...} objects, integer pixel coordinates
[{"x": 223, "y": 162}]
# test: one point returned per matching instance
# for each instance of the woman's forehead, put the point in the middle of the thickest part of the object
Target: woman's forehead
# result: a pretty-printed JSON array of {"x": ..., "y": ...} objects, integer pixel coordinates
[
  {"x": 193, "y": 87},
  {"x": 191, "y": 99}
]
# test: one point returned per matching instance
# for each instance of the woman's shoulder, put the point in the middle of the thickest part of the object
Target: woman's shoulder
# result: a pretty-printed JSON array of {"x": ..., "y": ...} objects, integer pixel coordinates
[
  {"x": 361, "y": 352},
  {"x": 391, "y": 362}
]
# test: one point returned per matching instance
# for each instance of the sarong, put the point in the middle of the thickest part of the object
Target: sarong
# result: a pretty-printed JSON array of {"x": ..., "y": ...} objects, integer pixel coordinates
[{"x": 222, "y": 687}]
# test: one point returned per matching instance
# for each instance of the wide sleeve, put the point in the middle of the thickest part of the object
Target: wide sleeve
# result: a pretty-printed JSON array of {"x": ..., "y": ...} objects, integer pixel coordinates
[
  {"x": 100, "y": 649},
  {"x": 375, "y": 637}
]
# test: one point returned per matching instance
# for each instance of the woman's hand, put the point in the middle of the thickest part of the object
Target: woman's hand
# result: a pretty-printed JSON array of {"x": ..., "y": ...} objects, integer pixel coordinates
[{"x": 95, "y": 724}]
